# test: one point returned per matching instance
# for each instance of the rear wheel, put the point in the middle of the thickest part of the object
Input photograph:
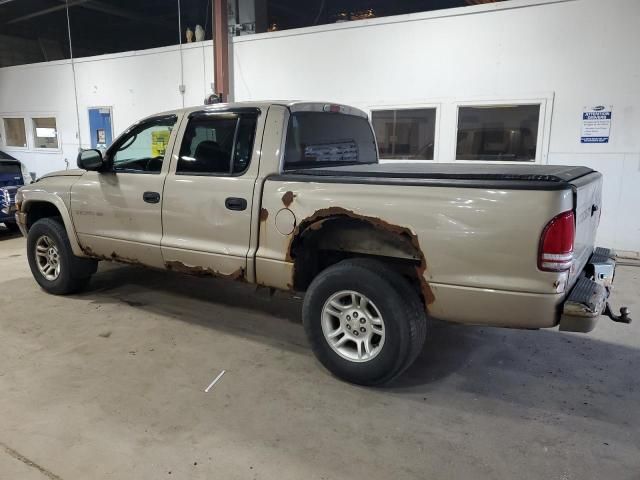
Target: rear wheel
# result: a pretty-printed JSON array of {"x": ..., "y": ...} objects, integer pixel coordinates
[
  {"x": 52, "y": 262},
  {"x": 364, "y": 321}
]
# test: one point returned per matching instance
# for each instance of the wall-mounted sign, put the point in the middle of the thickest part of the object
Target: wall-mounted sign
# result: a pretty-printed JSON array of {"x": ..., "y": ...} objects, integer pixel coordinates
[
  {"x": 100, "y": 126},
  {"x": 596, "y": 124},
  {"x": 101, "y": 136}
]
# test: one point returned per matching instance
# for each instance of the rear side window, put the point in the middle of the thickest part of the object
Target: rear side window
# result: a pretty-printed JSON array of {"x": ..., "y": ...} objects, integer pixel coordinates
[
  {"x": 320, "y": 139},
  {"x": 216, "y": 144}
]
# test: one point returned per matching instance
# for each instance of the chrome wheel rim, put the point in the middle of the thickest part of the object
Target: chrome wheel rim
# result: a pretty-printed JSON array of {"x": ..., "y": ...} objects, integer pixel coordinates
[
  {"x": 353, "y": 326},
  {"x": 47, "y": 258}
]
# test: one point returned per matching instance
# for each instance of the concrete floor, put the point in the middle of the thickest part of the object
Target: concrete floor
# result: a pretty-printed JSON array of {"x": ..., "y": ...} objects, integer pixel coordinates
[{"x": 109, "y": 384}]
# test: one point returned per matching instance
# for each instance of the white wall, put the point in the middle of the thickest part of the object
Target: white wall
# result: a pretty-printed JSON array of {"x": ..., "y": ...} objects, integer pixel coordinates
[
  {"x": 135, "y": 84},
  {"x": 566, "y": 54}
]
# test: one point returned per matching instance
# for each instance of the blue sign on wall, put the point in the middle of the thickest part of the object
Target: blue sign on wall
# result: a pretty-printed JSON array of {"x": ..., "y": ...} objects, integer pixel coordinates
[
  {"x": 596, "y": 125},
  {"x": 100, "y": 127}
]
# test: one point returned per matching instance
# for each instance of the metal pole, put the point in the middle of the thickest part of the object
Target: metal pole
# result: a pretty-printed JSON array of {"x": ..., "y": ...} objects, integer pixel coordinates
[{"x": 221, "y": 49}]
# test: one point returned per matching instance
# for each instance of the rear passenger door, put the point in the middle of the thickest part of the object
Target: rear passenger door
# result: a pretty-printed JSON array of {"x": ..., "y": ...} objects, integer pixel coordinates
[{"x": 208, "y": 194}]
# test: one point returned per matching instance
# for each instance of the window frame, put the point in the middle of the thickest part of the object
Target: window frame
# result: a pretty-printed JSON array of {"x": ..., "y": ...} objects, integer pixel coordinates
[
  {"x": 545, "y": 103},
  {"x": 4, "y": 116},
  {"x": 32, "y": 136},
  {"x": 110, "y": 152},
  {"x": 410, "y": 106},
  {"x": 238, "y": 112}
]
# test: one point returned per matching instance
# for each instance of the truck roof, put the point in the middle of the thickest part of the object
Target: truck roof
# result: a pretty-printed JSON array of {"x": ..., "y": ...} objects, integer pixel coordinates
[{"x": 293, "y": 105}]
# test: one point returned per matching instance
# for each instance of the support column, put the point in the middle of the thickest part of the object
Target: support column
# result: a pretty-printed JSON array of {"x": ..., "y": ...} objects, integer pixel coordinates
[{"x": 220, "y": 49}]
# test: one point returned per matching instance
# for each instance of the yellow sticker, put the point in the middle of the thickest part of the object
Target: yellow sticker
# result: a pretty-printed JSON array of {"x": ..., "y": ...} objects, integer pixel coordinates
[{"x": 159, "y": 141}]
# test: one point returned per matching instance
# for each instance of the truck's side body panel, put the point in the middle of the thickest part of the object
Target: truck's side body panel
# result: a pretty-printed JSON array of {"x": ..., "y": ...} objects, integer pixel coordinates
[{"x": 466, "y": 235}]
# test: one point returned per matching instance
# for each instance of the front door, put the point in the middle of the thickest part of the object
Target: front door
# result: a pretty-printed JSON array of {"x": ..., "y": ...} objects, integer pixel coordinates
[
  {"x": 208, "y": 194},
  {"x": 118, "y": 214}
]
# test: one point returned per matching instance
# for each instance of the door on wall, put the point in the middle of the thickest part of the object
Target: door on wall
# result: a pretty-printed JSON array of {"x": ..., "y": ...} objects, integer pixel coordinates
[{"x": 100, "y": 127}]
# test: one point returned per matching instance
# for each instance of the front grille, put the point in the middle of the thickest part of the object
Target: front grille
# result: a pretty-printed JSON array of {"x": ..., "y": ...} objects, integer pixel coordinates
[{"x": 7, "y": 198}]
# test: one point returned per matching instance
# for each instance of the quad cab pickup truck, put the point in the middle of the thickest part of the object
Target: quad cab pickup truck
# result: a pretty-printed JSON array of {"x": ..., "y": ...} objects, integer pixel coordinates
[{"x": 291, "y": 196}]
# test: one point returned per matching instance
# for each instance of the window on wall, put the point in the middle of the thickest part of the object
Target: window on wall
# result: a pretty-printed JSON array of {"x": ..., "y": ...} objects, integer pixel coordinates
[
  {"x": 407, "y": 134},
  {"x": 15, "y": 133},
  {"x": 498, "y": 132},
  {"x": 45, "y": 132}
]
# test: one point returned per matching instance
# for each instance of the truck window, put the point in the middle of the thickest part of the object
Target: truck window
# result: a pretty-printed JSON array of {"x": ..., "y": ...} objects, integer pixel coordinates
[
  {"x": 320, "y": 139},
  {"x": 217, "y": 144},
  {"x": 142, "y": 149}
]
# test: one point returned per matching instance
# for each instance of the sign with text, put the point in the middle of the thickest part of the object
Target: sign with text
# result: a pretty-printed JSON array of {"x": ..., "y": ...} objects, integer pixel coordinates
[{"x": 596, "y": 124}]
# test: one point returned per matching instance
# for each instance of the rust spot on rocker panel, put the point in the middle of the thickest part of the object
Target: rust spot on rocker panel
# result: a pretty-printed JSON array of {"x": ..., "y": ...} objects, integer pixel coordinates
[
  {"x": 287, "y": 198},
  {"x": 203, "y": 271},
  {"x": 114, "y": 257},
  {"x": 318, "y": 218},
  {"x": 264, "y": 214}
]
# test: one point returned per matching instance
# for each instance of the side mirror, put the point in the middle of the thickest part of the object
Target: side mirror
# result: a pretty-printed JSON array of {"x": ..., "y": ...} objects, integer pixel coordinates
[{"x": 90, "y": 160}]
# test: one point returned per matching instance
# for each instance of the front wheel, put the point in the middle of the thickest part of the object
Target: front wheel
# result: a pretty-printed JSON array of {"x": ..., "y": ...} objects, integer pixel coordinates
[
  {"x": 52, "y": 262},
  {"x": 364, "y": 321}
]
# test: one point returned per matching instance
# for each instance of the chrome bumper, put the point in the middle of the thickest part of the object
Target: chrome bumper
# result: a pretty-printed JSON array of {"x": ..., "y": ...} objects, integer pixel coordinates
[{"x": 588, "y": 299}]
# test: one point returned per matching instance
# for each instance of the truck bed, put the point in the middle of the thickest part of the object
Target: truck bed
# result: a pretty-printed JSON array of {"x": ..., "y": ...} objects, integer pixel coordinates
[{"x": 520, "y": 177}]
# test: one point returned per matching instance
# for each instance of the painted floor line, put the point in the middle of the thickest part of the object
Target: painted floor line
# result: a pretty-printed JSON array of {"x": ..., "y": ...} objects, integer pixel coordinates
[
  {"x": 18, "y": 456},
  {"x": 215, "y": 380}
]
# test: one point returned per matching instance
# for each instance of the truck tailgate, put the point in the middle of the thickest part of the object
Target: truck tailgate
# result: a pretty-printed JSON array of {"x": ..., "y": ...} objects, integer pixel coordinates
[{"x": 588, "y": 205}]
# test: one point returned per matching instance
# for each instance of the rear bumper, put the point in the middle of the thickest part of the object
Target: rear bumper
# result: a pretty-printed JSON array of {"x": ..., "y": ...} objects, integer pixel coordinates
[{"x": 588, "y": 299}]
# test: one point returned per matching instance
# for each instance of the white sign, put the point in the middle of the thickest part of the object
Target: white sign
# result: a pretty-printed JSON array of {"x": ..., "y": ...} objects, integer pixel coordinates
[{"x": 596, "y": 124}]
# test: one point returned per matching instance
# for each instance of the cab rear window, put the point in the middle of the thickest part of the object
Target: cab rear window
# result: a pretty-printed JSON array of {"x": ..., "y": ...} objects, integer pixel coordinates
[{"x": 321, "y": 139}]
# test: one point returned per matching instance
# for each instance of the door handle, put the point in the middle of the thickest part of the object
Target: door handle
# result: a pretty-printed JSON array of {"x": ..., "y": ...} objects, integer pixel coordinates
[
  {"x": 151, "y": 197},
  {"x": 235, "y": 203}
]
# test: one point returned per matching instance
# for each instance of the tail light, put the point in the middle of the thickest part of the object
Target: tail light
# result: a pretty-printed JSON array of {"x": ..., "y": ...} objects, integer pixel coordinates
[{"x": 556, "y": 243}]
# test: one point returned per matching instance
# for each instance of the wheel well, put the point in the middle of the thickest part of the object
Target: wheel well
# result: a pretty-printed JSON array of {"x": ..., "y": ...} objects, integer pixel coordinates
[
  {"x": 38, "y": 210},
  {"x": 325, "y": 242}
]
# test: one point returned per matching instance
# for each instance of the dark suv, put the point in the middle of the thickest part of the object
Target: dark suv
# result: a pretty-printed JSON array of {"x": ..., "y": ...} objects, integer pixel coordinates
[{"x": 12, "y": 177}]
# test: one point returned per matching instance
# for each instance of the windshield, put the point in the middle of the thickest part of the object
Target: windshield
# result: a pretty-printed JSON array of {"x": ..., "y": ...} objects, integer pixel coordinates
[
  {"x": 320, "y": 139},
  {"x": 10, "y": 167}
]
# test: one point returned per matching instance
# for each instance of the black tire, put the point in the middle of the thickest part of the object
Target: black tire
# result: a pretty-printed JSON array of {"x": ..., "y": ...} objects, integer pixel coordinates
[
  {"x": 405, "y": 321},
  {"x": 11, "y": 226},
  {"x": 74, "y": 271}
]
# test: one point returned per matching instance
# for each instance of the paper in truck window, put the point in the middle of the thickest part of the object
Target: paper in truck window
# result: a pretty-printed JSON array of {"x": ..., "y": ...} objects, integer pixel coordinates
[
  {"x": 346, "y": 151},
  {"x": 596, "y": 124},
  {"x": 159, "y": 141}
]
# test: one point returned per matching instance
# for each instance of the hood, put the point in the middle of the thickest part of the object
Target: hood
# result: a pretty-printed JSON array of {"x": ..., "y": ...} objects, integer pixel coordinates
[{"x": 73, "y": 172}]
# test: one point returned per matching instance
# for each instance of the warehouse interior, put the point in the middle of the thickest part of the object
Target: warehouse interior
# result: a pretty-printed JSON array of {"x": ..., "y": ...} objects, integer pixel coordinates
[{"x": 142, "y": 373}]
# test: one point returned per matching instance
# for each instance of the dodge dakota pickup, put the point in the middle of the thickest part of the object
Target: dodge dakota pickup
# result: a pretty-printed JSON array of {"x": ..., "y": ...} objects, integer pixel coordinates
[{"x": 291, "y": 196}]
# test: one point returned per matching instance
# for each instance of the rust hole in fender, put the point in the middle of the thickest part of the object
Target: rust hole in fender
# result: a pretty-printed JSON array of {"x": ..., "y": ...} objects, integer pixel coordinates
[
  {"x": 317, "y": 220},
  {"x": 287, "y": 198},
  {"x": 203, "y": 271}
]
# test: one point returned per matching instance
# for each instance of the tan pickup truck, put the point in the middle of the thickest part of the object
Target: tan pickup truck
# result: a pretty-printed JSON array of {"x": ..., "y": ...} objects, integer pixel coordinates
[{"x": 290, "y": 195}]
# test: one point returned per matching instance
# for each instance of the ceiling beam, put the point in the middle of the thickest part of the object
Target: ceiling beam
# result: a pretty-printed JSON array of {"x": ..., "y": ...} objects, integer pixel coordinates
[{"x": 45, "y": 11}]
